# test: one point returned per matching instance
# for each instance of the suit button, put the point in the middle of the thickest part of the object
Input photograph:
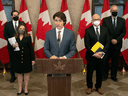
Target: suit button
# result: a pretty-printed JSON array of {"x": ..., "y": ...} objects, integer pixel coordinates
[
  {"x": 21, "y": 55},
  {"x": 22, "y": 47},
  {"x": 22, "y": 58},
  {"x": 21, "y": 61},
  {"x": 22, "y": 51}
]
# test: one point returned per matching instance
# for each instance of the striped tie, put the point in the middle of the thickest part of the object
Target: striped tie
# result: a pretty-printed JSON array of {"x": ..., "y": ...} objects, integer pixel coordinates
[{"x": 59, "y": 37}]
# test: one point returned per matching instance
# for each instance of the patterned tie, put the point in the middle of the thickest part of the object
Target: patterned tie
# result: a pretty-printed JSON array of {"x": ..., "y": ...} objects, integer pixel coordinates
[
  {"x": 15, "y": 26},
  {"x": 97, "y": 34},
  {"x": 59, "y": 37}
]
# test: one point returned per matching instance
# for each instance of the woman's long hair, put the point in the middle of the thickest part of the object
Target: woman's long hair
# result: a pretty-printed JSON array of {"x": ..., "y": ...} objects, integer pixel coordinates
[{"x": 25, "y": 32}]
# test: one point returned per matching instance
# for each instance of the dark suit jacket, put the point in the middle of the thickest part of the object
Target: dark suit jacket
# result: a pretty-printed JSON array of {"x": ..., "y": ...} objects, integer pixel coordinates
[
  {"x": 119, "y": 32},
  {"x": 67, "y": 47},
  {"x": 90, "y": 39},
  {"x": 9, "y": 32}
]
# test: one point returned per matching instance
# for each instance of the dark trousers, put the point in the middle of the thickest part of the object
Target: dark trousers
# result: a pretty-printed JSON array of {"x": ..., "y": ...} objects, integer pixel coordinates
[
  {"x": 11, "y": 56},
  {"x": 113, "y": 54},
  {"x": 94, "y": 64}
]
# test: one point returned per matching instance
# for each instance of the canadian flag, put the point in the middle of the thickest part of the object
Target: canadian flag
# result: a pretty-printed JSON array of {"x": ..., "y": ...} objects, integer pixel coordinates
[
  {"x": 64, "y": 9},
  {"x": 43, "y": 26},
  {"x": 68, "y": 25},
  {"x": 24, "y": 17},
  {"x": 4, "y": 56},
  {"x": 105, "y": 10},
  {"x": 85, "y": 22},
  {"x": 124, "y": 49}
]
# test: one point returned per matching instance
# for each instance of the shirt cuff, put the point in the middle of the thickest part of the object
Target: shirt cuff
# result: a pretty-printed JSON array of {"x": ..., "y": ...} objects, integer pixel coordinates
[{"x": 63, "y": 56}]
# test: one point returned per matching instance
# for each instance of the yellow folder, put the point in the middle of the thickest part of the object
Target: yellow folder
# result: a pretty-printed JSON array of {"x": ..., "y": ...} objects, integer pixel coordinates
[{"x": 97, "y": 47}]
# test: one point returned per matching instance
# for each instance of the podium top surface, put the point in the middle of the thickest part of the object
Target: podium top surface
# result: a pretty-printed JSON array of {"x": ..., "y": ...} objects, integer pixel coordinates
[{"x": 59, "y": 66}]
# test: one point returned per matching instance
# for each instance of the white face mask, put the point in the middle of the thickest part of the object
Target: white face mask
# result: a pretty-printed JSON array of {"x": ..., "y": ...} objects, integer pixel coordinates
[{"x": 96, "y": 23}]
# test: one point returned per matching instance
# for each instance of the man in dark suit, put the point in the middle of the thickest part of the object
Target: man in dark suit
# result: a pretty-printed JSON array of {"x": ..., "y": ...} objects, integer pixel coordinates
[
  {"x": 116, "y": 29},
  {"x": 9, "y": 31},
  {"x": 59, "y": 41},
  {"x": 93, "y": 34}
]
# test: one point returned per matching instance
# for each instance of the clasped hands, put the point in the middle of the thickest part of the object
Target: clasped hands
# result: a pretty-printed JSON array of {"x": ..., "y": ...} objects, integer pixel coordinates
[
  {"x": 114, "y": 41},
  {"x": 98, "y": 55},
  {"x": 55, "y": 57}
]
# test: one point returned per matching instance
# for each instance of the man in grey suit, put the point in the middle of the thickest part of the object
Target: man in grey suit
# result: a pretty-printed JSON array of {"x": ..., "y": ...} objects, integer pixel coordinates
[{"x": 59, "y": 41}]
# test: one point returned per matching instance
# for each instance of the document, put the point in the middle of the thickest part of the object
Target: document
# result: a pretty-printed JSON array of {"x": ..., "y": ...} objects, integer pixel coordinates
[
  {"x": 12, "y": 41},
  {"x": 97, "y": 47}
]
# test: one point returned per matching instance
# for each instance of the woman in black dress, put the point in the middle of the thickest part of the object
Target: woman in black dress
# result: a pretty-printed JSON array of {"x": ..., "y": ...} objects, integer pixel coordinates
[{"x": 24, "y": 59}]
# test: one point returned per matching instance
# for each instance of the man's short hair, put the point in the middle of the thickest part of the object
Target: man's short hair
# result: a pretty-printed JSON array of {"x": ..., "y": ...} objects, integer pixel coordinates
[
  {"x": 61, "y": 15},
  {"x": 14, "y": 11}
]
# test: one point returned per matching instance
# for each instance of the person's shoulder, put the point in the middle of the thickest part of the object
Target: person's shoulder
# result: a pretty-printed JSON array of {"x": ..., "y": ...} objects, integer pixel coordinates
[
  {"x": 9, "y": 22},
  {"x": 50, "y": 31},
  {"x": 106, "y": 18},
  {"x": 68, "y": 30},
  {"x": 28, "y": 37},
  {"x": 121, "y": 18},
  {"x": 89, "y": 28}
]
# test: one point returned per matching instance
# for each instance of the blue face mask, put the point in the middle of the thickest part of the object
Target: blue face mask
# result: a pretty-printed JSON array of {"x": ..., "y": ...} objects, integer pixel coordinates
[{"x": 21, "y": 31}]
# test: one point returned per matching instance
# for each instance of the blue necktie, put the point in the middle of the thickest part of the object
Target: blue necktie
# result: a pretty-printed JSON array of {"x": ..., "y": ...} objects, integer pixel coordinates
[
  {"x": 114, "y": 22},
  {"x": 97, "y": 34}
]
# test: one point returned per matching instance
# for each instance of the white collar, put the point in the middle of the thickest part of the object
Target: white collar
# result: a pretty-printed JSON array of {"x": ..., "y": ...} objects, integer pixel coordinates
[
  {"x": 62, "y": 30},
  {"x": 96, "y": 27}
]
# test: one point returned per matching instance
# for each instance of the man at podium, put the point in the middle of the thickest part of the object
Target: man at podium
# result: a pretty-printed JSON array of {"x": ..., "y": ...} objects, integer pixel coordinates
[
  {"x": 59, "y": 41},
  {"x": 95, "y": 34}
]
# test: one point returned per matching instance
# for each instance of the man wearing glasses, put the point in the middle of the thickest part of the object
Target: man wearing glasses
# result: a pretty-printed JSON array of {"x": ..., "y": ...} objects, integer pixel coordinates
[
  {"x": 95, "y": 60},
  {"x": 116, "y": 29}
]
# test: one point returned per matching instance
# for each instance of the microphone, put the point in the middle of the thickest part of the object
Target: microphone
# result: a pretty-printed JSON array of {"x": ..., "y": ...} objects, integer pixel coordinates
[{"x": 58, "y": 39}]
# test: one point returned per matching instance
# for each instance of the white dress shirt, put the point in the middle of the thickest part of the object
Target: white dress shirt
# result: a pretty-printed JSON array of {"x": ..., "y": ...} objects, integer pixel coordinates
[
  {"x": 115, "y": 21},
  {"x": 98, "y": 29},
  {"x": 61, "y": 33},
  {"x": 17, "y": 23}
]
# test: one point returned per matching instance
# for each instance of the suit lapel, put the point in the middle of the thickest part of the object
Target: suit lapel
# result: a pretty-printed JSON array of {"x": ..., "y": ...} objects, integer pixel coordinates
[
  {"x": 101, "y": 32},
  {"x": 12, "y": 26},
  {"x": 63, "y": 38},
  {"x": 117, "y": 24},
  {"x": 94, "y": 33},
  {"x": 111, "y": 25},
  {"x": 55, "y": 39}
]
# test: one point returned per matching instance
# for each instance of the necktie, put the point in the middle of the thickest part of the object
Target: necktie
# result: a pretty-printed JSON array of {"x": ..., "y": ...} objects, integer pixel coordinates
[
  {"x": 15, "y": 26},
  {"x": 59, "y": 37},
  {"x": 97, "y": 34},
  {"x": 114, "y": 23}
]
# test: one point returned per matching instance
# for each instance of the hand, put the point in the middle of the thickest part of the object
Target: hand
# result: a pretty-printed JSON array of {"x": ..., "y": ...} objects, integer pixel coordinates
[
  {"x": 33, "y": 62},
  {"x": 114, "y": 41},
  {"x": 62, "y": 57},
  {"x": 15, "y": 45},
  {"x": 54, "y": 57},
  {"x": 98, "y": 55}
]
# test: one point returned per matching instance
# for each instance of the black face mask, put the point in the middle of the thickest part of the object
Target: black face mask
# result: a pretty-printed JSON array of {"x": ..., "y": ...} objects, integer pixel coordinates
[
  {"x": 114, "y": 13},
  {"x": 15, "y": 18}
]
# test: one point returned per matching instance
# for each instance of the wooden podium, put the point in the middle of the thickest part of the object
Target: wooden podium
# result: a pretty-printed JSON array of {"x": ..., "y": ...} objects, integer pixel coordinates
[{"x": 59, "y": 74}]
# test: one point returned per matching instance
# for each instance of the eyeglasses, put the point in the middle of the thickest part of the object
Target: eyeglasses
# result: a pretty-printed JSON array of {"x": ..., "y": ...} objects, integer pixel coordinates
[{"x": 95, "y": 19}]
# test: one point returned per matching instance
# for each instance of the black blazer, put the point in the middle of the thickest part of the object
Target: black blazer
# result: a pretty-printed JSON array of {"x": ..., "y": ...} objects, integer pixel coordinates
[
  {"x": 90, "y": 39},
  {"x": 9, "y": 32},
  {"x": 24, "y": 57},
  {"x": 119, "y": 32}
]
